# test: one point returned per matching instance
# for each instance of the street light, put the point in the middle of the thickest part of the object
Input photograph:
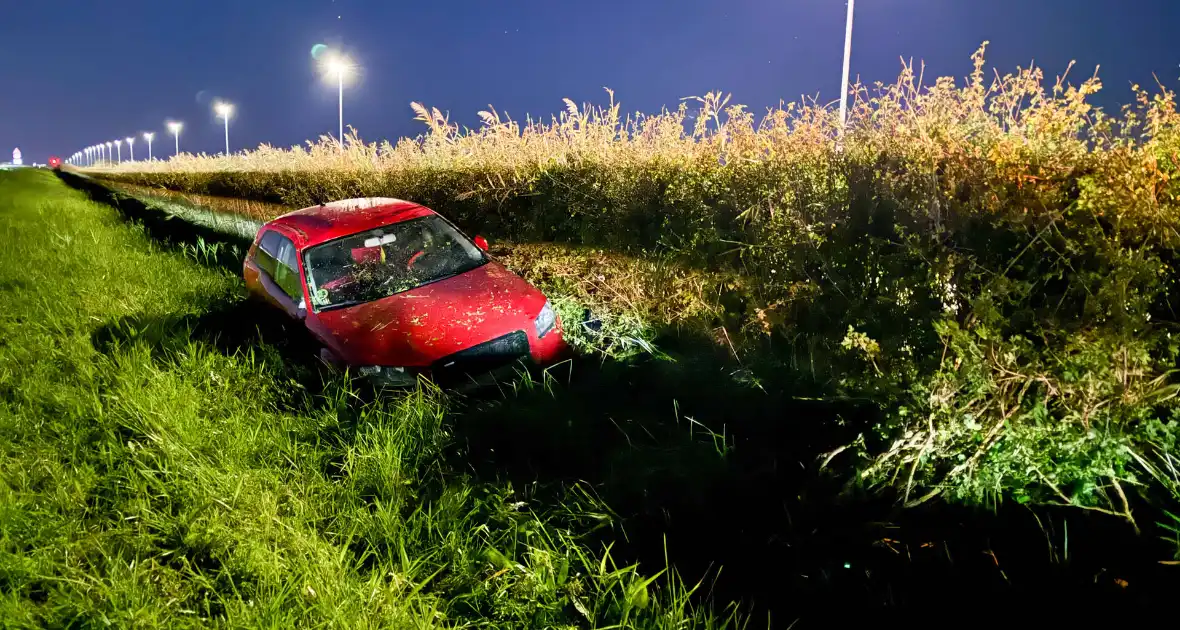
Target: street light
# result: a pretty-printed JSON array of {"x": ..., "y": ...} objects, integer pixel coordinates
[
  {"x": 148, "y": 135},
  {"x": 175, "y": 128},
  {"x": 225, "y": 110},
  {"x": 131, "y": 147},
  {"x": 847, "y": 58},
  {"x": 108, "y": 151},
  {"x": 119, "y": 151},
  {"x": 338, "y": 66}
]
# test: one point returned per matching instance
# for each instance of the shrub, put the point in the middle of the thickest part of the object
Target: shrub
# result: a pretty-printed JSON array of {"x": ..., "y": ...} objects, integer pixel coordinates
[{"x": 991, "y": 263}]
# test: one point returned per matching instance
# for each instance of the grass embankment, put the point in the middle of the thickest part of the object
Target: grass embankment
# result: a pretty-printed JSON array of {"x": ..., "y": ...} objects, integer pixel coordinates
[
  {"x": 170, "y": 458},
  {"x": 991, "y": 265},
  {"x": 751, "y": 492}
]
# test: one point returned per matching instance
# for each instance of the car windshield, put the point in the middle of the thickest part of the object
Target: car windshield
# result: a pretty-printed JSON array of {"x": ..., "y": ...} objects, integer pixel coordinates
[{"x": 391, "y": 259}]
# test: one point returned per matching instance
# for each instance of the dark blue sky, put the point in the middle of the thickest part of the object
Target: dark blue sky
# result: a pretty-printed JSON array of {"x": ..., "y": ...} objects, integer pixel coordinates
[{"x": 76, "y": 72}]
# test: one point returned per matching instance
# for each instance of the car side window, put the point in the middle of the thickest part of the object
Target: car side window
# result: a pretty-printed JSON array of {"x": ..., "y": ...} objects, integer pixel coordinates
[
  {"x": 265, "y": 256},
  {"x": 286, "y": 273}
]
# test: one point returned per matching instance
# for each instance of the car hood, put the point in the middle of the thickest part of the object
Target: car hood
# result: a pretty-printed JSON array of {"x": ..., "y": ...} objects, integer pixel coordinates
[{"x": 422, "y": 325}]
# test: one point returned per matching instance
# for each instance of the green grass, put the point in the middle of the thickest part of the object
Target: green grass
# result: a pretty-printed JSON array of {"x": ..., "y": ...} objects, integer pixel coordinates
[
  {"x": 166, "y": 462},
  {"x": 989, "y": 260}
]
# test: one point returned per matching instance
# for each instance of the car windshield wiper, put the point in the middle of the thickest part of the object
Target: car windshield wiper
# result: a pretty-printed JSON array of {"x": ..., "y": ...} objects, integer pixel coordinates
[{"x": 336, "y": 305}]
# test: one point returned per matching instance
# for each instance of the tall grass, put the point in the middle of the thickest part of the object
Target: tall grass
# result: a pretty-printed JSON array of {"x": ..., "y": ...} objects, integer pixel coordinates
[
  {"x": 169, "y": 461},
  {"x": 990, "y": 261}
]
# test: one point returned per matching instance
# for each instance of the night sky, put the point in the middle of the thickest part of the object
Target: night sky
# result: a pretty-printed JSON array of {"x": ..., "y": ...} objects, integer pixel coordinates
[{"x": 77, "y": 72}]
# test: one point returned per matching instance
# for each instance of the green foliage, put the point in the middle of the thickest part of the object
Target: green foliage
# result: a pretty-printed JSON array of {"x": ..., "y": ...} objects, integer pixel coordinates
[
  {"x": 992, "y": 263},
  {"x": 164, "y": 463}
]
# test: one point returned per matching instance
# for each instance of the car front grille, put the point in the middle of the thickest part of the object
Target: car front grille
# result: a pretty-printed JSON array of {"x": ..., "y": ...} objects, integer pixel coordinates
[{"x": 481, "y": 358}]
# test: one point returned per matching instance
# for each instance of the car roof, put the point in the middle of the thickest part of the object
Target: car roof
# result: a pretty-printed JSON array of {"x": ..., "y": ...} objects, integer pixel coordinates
[{"x": 316, "y": 224}]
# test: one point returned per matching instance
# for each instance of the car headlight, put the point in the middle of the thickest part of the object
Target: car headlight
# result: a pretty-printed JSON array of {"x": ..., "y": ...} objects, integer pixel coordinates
[
  {"x": 390, "y": 376},
  {"x": 545, "y": 320}
]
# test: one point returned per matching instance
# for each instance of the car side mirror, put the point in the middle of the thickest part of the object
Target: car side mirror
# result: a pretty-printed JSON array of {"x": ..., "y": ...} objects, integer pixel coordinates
[{"x": 481, "y": 242}]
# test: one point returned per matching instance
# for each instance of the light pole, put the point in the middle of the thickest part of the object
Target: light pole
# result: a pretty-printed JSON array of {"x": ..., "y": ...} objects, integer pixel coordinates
[
  {"x": 131, "y": 147},
  {"x": 847, "y": 60},
  {"x": 148, "y": 135},
  {"x": 175, "y": 128},
  {"x": 338, "y": 65},
  {"x": 225, "y": 110},
  {"x": 119, "y": 151},
  {"x": 109, "y": 145}
]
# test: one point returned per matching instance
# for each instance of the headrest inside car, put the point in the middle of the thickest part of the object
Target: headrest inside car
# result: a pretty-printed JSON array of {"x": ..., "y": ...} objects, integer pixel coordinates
[{"x": 366, "y": 254}]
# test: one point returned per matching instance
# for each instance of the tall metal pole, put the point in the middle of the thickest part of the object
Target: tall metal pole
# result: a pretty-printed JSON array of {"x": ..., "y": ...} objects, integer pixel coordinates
[
  {"x": 340, "y": 77},
  {"x": 847, "y": 59},
  {"x": 227, "y": 135}
]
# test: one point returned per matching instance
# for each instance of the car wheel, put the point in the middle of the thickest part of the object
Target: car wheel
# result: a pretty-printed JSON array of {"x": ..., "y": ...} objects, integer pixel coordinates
[{"x": 327, "y": 356}]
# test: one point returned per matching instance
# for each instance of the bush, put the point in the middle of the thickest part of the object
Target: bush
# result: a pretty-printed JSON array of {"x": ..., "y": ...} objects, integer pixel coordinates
[{"x": 992, "y": 264}]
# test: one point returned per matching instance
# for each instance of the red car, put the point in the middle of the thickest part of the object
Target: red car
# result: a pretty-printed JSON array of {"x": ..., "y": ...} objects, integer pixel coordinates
[{"x": 392, "y": 289}]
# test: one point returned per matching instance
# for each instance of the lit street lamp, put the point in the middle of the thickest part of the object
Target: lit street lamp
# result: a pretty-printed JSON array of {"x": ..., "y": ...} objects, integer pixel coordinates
[
  {"x": 131, "y": 147},
  {"x": 175, "y": 128},
  {"x": 119, "y": 151},
  {"x": 225, "y": 110},
  {"x": 847, "y": 58},
  {"x": 338, "y": 66},
  {"x": 148, "y": 135}
]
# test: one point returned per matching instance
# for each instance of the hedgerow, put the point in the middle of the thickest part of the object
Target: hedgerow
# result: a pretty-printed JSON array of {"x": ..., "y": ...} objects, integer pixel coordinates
[{"x": 991, "y": 262}]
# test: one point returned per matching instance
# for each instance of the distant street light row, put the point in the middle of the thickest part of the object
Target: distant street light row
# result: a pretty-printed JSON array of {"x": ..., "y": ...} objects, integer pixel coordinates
[
  {"x": 101, "y": 152},
  {"x": 335, "y": 66},
  {"x": 338, "y": 66}
]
